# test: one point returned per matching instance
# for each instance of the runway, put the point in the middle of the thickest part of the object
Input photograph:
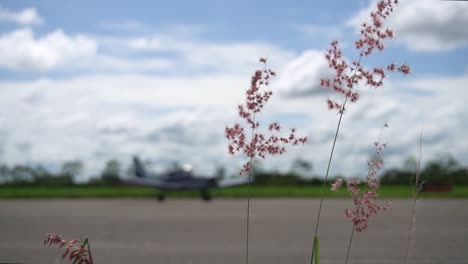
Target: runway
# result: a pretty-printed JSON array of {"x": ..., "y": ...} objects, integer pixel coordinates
[{"x": 195, "y": 232}]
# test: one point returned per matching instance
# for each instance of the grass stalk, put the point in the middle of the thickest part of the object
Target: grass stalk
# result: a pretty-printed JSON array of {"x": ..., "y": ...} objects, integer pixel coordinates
[
  {"x": 349, "y": 244},
  {"x": 325, "y": 183},
  {"x": 416, "y": 195},
  {"x": 329, "y": 164},
  {"x": 248, "y": 203}
]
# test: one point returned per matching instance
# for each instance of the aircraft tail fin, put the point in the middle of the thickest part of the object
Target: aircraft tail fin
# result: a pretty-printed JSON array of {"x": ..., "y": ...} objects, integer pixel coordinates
[{"x": 138, "y": 166}]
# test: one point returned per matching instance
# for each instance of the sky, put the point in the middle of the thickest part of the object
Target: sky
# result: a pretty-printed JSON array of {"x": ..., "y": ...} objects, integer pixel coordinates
[{"x": 94, "y": 80}]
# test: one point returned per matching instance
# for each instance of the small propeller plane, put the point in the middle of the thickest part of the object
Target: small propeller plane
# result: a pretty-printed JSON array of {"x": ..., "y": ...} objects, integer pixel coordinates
[{"x": 180, "y": 179}]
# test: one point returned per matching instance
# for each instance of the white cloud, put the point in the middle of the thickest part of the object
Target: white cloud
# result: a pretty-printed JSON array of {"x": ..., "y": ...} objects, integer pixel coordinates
[
  {"x": 20, "y": 50},
  {"x": 196, "y": 55},
  {"x": 301, "y": 76},
  {"x": 145, "y": 43},
  {"x": 426, "y": 25},
  {"x": 236, "y": 57},
  {"x": 118, "y": 116},
  {"x": 317, "y": 31},
  {"x": 179, "y": 53},
  {"x": 108, "y": 63},
  {"x": 27, "y": 16},
  {"x": 98, "y": 117}
]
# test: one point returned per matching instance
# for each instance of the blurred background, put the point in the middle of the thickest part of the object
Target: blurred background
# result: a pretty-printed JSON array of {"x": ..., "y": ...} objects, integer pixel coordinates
[{"x": 85, "y": 86}]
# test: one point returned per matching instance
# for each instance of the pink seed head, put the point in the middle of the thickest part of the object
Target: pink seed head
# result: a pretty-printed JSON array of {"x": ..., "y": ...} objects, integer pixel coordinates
[{"x": 259, "y": 145}]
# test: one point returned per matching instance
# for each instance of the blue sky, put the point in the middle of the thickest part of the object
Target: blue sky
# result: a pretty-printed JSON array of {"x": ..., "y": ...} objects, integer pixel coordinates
[
  {"x": 92, "y": 80},
  {"x": 299, "y": 25}
]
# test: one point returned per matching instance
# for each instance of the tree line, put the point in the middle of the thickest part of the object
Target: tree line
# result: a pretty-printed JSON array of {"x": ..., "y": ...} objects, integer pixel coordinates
[
  {"x": 67, "y": 175},
  {"x": 445, "y": 170}
]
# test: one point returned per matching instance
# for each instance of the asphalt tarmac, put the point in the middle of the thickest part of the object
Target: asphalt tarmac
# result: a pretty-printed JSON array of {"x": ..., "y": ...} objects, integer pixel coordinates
[{"x": 197, "y": 232}]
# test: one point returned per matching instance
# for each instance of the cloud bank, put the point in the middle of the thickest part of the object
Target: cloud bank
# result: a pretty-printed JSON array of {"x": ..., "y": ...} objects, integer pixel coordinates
[
  {"x": 21, "y": 50},
  {"x": 27, "y": 16},
  {"x": 168, "y": 95},
  {"x": 426, "y": 25}
]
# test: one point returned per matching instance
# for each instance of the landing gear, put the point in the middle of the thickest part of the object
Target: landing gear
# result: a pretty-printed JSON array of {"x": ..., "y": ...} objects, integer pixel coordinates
[
  {"x": 161, "y": 197},
  {"x": 205, "y": 195}
]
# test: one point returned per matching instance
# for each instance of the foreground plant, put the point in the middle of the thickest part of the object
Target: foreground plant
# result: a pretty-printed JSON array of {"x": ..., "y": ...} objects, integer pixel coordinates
[
  {"x": 76, "y": 250},
  {"x": 259, "y": 144},
  {"x": 364, "y": 197},
  {"x": 348, "y": 75},
  {"x": 416, "y": 194}
]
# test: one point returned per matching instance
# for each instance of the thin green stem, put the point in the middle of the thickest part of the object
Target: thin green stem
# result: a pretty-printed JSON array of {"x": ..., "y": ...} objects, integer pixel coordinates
[
  {"x": 325, "y": 182},
  {"x": 88, "y": 246},
  {"x": 349, "y": 244},
  {"x": 330, "y": 160},
  {"x": 248, "y": 197},
  {"x": 89, "y": 252},
  {"x": 343, "y": 108},
  {"x": 248, "y": 215},
  {"x": 416, "y": 195}
]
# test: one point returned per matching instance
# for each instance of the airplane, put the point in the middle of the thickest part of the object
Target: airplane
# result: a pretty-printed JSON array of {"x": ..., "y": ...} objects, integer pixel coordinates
[{"x": 180, "y": 179}]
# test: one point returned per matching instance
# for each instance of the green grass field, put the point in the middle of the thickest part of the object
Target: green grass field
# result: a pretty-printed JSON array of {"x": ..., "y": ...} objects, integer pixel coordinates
[{"x": 10, "y": 192}]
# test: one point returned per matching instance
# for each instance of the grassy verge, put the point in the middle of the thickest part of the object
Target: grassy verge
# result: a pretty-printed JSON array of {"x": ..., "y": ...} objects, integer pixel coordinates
[{"x": 10, "y": 192}]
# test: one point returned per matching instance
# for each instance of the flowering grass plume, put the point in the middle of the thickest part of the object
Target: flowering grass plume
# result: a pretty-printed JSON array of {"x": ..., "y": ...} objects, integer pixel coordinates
[
  {"x": 365, "y": 197},
  {"x": 76, "y": 250},
  {"x": 259, "y": 144},
  {"x": 347, "y": 75}
]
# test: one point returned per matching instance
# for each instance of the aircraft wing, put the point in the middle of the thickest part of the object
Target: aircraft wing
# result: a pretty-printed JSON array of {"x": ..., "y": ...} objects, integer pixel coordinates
[
  {"x": 152, "y": 182},
  {"x": 169, "y": 185},
  {"x": 234, "y": 181}
]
